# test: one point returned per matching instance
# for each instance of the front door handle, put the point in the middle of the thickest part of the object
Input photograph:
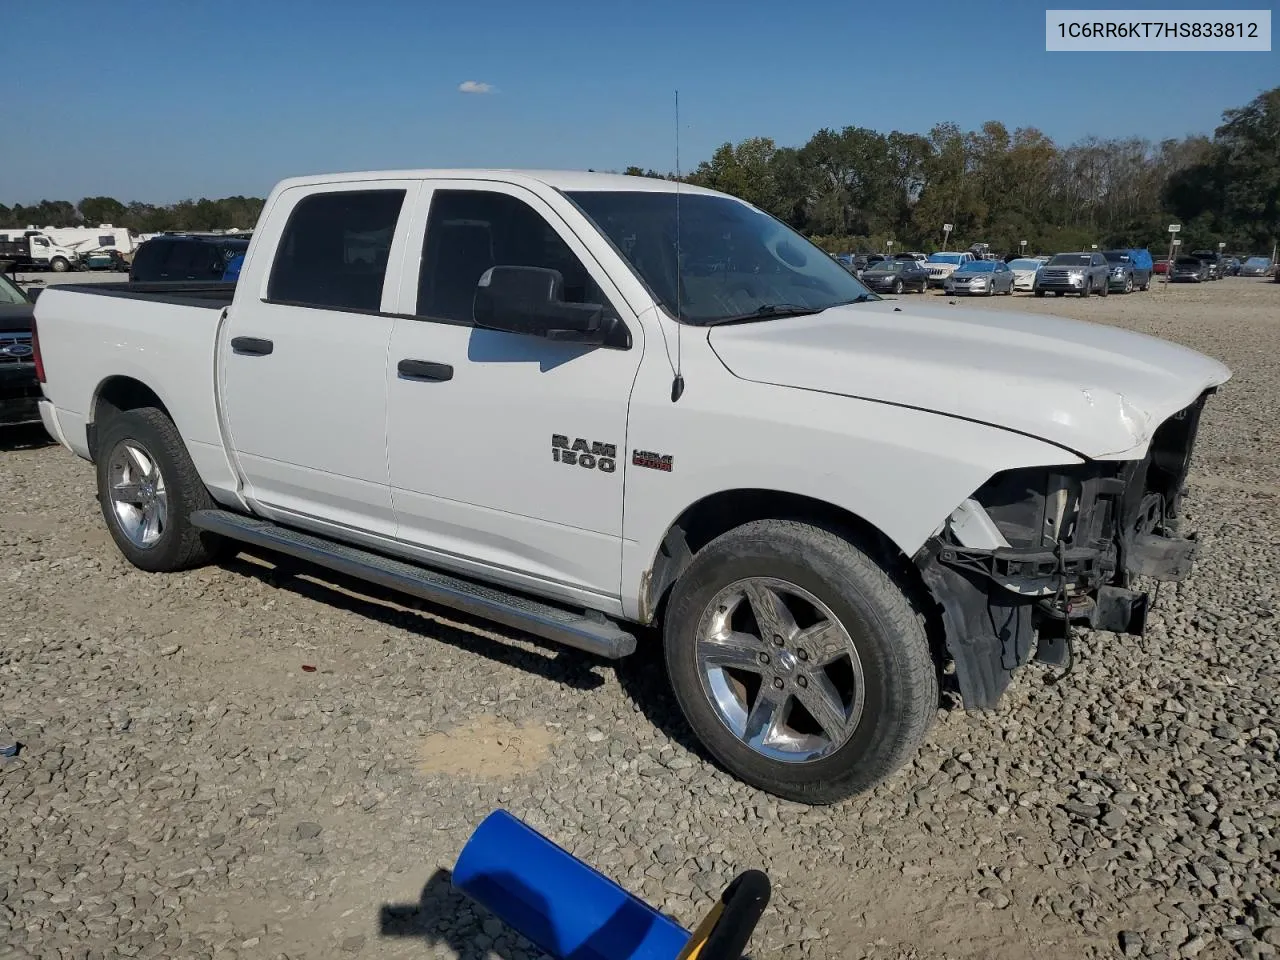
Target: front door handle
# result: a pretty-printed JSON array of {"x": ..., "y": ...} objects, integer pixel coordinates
[
  {"x": 424, "y": 370},
  {"x": 251, "y": 346}
]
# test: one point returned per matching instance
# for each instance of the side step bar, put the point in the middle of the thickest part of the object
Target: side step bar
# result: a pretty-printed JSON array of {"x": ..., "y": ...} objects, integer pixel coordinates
[{"x": 590, "y": 631}]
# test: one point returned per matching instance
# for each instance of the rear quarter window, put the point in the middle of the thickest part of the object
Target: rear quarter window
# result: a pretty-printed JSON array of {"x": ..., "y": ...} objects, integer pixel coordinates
[{"x": 148, "y": 260}]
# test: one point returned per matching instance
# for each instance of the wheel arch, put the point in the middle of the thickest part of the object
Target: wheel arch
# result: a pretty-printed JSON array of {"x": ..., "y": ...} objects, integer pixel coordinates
[
  {"x": 717, "y": 513},
  {"x": 116, "y": 394}
]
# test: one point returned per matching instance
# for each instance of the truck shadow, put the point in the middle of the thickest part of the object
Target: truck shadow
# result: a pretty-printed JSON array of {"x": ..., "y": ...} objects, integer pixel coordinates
[
  {"x": 27, "y": 436},
  {"x": 574, "y": 668}
]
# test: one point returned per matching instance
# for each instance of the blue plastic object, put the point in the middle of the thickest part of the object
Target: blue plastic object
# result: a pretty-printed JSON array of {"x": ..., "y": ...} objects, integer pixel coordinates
[{"x": 567, "y": 908}]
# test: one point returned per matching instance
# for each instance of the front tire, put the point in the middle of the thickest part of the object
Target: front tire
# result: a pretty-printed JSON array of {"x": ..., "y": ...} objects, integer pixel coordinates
[
  {"x": 897, "y": 287},
  {"x": 798, "y": 662},
  {"x": 148, "y": 488},
  {"x": 59, "y": 265}
]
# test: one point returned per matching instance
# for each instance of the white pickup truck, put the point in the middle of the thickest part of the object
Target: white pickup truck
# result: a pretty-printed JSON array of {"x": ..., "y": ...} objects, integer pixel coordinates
[{"x": 570, "y": 402}]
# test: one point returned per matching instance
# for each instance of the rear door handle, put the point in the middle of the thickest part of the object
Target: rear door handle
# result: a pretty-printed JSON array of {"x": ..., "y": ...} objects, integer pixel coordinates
[
  {"x": 424, "y": 370},
  {"x": 251, "y": 346}
]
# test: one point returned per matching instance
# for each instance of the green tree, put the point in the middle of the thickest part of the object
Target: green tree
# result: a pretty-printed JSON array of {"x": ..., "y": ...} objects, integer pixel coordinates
[{"x": 96, "y": 210}]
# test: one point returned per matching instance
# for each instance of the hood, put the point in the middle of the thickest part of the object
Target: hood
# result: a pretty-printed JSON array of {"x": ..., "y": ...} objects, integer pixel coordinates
[{"x": 1096, "y": 390}]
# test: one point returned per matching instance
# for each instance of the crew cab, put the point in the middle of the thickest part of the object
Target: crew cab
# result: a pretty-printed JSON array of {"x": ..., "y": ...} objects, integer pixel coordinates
[{"x": 572, "y": 403}]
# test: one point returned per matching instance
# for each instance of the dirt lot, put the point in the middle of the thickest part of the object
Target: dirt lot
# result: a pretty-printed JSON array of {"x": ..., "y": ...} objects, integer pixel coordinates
[{"x": 189, "y": 788}]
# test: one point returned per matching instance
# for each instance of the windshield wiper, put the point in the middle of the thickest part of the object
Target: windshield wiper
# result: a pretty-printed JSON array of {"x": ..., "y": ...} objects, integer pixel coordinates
[{"x": 771, "y": 311}]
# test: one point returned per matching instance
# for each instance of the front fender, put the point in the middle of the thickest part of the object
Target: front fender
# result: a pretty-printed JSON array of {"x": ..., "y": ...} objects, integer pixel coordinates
[{"x": 900, "y": 470}]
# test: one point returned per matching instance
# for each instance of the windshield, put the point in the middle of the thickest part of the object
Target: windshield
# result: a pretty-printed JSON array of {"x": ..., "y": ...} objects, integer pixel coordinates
[
  {"x": 734, "y": 260},
  {"x": 9, "y": 294},
  {"x": 886, "y": 266},
  {"x": 978, "y": 266},
  {"x": 944, "y": 258},
  {"x": 1024, "y": 264},
  {"x": 1117, "y": 256},
  {"x": 1258, "y": 262},
  {"x": 1070, "y": 260}
]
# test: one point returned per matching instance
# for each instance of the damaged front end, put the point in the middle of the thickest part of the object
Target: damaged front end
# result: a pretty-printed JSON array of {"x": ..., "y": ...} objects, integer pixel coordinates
[{"x": 1034, "y": 552}]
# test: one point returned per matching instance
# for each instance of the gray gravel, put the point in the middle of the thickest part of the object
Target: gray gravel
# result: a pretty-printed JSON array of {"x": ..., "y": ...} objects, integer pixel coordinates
[{"x": 186, "y": 789}]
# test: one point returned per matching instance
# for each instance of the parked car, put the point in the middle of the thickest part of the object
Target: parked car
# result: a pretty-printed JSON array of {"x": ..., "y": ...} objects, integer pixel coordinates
[
  {"x": 895, "y": 276},
  {"x": 1129, "y": 270},
  {"x": 1080, "y": 273},
  {"x": 200, "y": 259},
  {"x": 1212, "y": 260},
  {"x": 942, "y": 265},
  {"x": 1024, "y": 272},
  {"x": 912, "y": 255},
  {"x": 1161, "y": 265},
  {"x": 1232, "y": 268},
  {"x": 1190, "y": 269},
  {"x": 19, "y": 388},
  {"x": 380, "y": 392},
  {"x": 845, "y": 260},
  {"x": 1256, "y": 267},
  {"x": 986, "y": 277}
]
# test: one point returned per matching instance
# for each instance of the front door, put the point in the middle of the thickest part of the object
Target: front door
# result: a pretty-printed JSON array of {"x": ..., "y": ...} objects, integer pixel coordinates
[
  {"x": 303, "y": 372},
  {"x": 506, "y": 449}
]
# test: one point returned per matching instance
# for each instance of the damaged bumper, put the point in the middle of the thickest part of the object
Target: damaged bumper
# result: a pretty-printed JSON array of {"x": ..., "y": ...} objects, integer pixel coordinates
[{"x": 1036, "y": 551}]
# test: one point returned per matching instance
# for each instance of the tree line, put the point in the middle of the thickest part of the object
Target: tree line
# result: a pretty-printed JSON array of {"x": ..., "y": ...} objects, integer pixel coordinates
[
  {"x": 855, "y": 189},
  {"x": 203, "y": 214}
]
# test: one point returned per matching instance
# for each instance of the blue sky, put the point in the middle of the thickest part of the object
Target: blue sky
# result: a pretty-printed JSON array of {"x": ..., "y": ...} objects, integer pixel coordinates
[{"x": 163, "y": 99}]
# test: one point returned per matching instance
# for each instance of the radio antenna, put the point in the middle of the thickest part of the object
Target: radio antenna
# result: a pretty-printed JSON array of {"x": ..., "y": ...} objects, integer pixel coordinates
[{"x": 677, "y": 385}]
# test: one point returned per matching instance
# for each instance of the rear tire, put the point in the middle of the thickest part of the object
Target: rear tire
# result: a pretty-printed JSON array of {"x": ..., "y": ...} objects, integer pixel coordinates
[
  {"x": 1038, "y": 293},
  {"x": 148, "y": 488},
  {"x": 825, "y": 601}
]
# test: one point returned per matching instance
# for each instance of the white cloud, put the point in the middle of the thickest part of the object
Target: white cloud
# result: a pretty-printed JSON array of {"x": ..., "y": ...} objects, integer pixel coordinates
[{"x": 474, "y": 86}]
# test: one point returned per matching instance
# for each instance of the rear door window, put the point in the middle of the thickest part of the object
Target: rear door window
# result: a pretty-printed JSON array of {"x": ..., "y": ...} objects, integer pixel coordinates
[{"x": 334, "y": 250}]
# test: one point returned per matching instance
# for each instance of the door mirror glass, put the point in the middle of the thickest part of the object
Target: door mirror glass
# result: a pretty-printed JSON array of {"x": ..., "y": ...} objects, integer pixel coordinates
[{"x": 530, "y": 300}]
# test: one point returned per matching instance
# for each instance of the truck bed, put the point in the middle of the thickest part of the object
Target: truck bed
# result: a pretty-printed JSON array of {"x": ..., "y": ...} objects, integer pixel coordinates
[{"x": 213, "y": 296}]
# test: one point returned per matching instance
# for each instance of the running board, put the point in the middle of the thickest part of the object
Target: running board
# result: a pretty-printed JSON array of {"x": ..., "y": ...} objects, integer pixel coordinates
[{"x": 590, "y": 631}]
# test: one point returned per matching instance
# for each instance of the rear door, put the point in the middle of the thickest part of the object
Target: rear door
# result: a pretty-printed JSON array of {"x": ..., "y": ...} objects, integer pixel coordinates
[{"x": 303, "y": 358}]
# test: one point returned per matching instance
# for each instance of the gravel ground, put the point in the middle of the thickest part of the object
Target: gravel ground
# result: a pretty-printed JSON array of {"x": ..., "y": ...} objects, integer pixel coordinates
[{"x": 244, "y": 762}]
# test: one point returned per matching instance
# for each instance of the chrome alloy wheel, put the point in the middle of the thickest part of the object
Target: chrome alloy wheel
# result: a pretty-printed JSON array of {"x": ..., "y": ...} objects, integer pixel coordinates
[
  {"x": 781, "y": 672},
  {"x": 138, "y": 496}
]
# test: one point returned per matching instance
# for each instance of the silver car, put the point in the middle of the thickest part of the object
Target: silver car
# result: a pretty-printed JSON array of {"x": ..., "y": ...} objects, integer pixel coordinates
[{"x": 984, "y": 277}]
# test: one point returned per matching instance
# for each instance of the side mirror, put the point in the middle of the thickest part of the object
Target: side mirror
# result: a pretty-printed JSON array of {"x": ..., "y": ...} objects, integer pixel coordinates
[{"x": 530, "y": 300}]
